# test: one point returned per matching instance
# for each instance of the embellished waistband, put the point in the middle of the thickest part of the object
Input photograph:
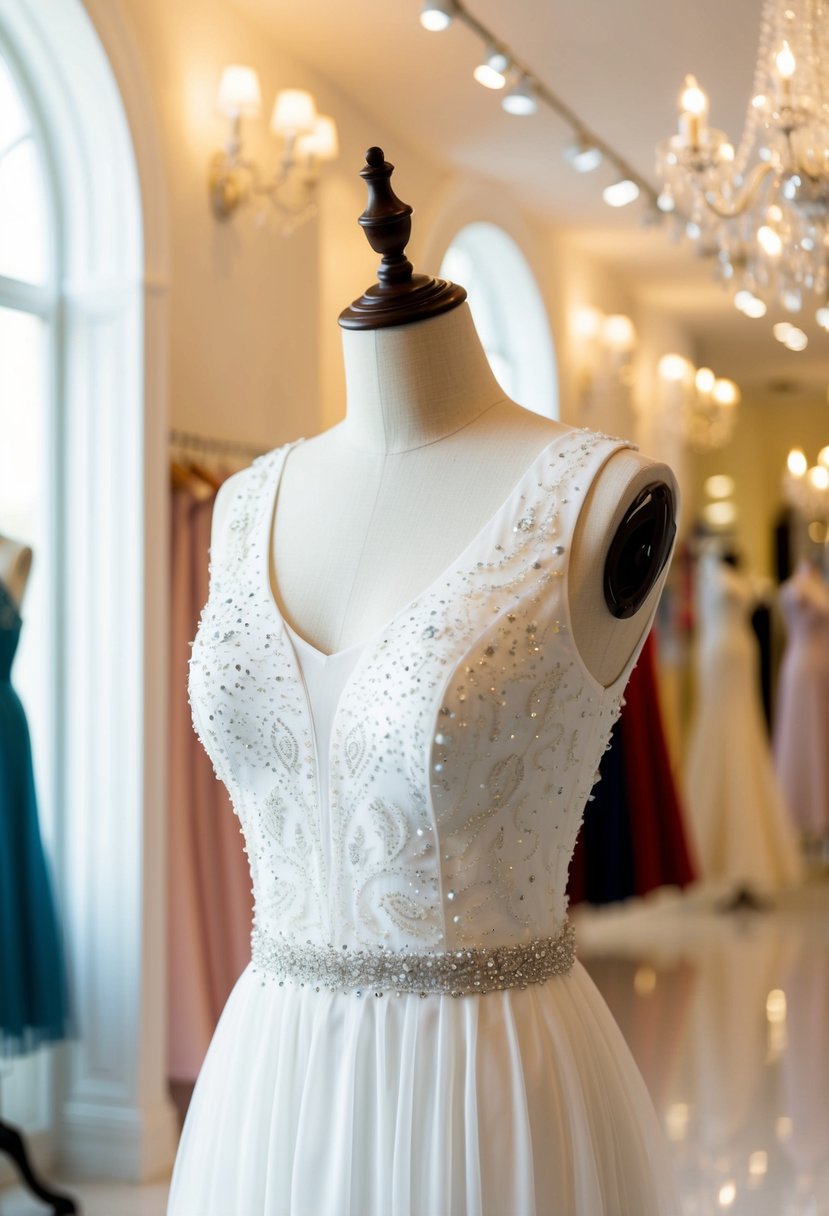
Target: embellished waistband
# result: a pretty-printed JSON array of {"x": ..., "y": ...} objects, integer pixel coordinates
[{"x": 464, "y": 972}]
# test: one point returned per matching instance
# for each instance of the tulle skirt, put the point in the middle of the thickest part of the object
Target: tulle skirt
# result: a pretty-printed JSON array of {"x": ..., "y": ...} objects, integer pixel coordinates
[{"x": 517, "y": 1103}]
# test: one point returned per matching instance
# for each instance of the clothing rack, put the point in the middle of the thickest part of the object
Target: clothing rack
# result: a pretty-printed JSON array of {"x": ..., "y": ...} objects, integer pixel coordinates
[{"x": 210, "y": 446}]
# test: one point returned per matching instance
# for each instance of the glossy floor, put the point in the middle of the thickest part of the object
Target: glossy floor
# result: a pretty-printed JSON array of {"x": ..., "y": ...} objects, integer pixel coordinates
[{"x": 727, "y": 1014}]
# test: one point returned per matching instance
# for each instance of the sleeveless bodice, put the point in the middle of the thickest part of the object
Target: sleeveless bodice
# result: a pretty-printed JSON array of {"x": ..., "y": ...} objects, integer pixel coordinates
[{"x": 437, "y": 806}]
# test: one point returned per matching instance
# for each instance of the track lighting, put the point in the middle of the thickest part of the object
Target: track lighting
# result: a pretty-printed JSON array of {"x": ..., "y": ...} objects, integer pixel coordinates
[
  {"x": 520, "y": 99},
  {"x": 621, "y": 193},
  {"x": 583, "y": 155},
  {"x": 436, "y": 15},
  {"x": 491, "y": 71}
]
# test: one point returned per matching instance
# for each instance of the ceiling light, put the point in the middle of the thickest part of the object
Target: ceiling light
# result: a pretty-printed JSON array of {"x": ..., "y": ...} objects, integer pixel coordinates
[
  {"x": 436, "y": 15},
  {"x": 621, "y": 193},
  {"x": 822, "y": 317},
  {"x": 796, "y": 462},
  {"x": 823, "y": 457},
  {"x": 754, "y": 308},
  {"x": 819, "y": 477},
  {"x": 674, "y": 367},
  {"x": 704, "y": 380},
  {"x": 725, "y": 392},
  {"x": 520, "y": 99},
  {"x": 582, "y": 155},
  {"x": 795, "y": 339},
  {"x": 489, "y": 76},
  {"x": 782, "y": 330},
  {"x": 618, "y": 332}
]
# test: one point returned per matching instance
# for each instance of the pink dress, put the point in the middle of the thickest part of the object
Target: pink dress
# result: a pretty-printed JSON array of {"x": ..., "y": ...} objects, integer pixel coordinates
[{"x": 801, "y": 729}]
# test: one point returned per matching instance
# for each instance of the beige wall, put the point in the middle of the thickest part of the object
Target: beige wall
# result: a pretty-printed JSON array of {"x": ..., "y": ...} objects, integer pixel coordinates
[
  {"x": 254, "y": 341},
  {"x": 768, "y": 426}
]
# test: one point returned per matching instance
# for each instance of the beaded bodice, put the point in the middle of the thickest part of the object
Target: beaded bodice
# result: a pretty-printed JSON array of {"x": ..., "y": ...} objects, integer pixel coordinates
[{"x": 464, "y": 743}]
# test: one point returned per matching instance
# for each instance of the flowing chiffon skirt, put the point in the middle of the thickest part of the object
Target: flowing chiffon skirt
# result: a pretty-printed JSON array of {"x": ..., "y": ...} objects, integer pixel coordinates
[{"x": 517, "y": 1103}]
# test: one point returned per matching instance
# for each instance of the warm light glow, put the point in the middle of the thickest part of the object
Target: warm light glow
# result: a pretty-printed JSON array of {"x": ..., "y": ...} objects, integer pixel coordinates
[
  {"x": 796, "y": 462},
  {"x": 817, "y": 532},
  {"x": 665, "y": 202},
  {"x": 719, "y": 486},
  {"x": 770, "y": 241},
  {"x": 620, "y": 193},
  {"x": 720, "y": 514},
  {"x": 823, "y": 457},
  {"x": 676, "y": 1121},
  {"x": 322, "y": 143},
  {"x": 618, "y": 332},
  {"x": 674, "y": 368},
  {"x": 644, "y": 980},
  {"x": 294, "y": 113},
  {"x": 727, "y": 1194},
  {"x": 586, "y": 322},
  {"x": 704, "y": 380},
  {"x": 754, "y": 308},
  {"x": 782, "y": 330},
  {"x": 239, "y": 92},
  {"x": 795, "y": 339},
  {"x": 726, "y": 152},
  {"x": 436, "y": 15},
  {"x": 725, "y": 392},
  {"x": 692, "y": 99},
  {"x": 822, "y": 317},
  {"x": 489, "y": 76},
  {"x": 785, "y": 62},
  {"x": 758, "y": 1164},
  {"x": 776, "y": 999},
  {"x": 818, "y": 477}
]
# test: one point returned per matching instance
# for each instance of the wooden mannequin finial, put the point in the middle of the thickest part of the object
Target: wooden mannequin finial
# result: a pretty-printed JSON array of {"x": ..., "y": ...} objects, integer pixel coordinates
[{"x": 399, "y": 296}]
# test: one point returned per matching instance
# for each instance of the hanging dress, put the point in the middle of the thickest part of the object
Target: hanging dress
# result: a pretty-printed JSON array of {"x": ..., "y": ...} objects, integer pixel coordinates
[
  {"x": 34, "y": 1005},
  {"x": 736, "y": 814},
  {"x": 413, "y": 1036}
]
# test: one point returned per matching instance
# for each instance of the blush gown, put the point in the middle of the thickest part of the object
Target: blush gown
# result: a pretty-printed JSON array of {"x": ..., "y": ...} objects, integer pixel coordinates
[
  {"x": 801, "y": 729},
  {"x": 736, "y": 814},
  {"x": 412, "y": 1036}
]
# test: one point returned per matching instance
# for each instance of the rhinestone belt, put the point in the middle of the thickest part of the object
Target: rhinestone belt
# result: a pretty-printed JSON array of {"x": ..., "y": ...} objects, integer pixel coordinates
[{"x": 477, "y": 969}]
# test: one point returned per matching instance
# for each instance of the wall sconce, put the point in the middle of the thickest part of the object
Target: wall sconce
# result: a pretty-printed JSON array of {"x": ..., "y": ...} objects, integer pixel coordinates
[
  {"x": 703, "y": 407},
  {"x": 604, "y": 346},
  {"x": 308, "y": 139}
]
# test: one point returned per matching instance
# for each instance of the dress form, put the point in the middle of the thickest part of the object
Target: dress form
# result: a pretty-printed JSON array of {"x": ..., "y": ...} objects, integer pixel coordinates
[
  {"x": 372, "y": 510},
  {"x": 15, "y": 566}
]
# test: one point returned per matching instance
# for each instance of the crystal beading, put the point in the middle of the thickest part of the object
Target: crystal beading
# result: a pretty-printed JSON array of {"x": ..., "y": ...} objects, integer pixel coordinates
[{"x": 473, "y": 970}]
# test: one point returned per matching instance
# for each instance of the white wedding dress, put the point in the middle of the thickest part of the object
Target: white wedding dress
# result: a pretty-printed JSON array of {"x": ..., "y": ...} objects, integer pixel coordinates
[{"x": 412, "y": 1036}]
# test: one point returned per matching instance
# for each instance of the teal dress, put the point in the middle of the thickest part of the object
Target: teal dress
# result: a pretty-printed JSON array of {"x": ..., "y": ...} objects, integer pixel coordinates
[{"x": 34, "y": 1005}]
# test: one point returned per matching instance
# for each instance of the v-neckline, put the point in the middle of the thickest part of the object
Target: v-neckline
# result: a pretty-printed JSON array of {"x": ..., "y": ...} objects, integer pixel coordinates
[{"x": 269, "y": 523}]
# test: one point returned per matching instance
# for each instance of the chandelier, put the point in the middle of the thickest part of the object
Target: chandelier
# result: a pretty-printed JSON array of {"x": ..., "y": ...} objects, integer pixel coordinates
[
  {"x": 762, "y": 209},
  {"x": 807, "y": 489},
  {"x": 701, "y": 407}
]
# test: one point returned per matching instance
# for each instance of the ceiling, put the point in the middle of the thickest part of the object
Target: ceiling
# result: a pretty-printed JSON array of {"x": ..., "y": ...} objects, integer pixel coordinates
[{"x": 619, "y": 65}]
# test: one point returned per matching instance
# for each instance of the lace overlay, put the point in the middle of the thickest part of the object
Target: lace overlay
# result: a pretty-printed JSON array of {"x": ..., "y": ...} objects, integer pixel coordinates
[{"x": 464, "y": 744}]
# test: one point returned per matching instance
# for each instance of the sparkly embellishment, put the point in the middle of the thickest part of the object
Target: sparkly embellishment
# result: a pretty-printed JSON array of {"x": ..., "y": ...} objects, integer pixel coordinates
[
  {"x": 524, "y": 523},
  {"x": 464, "y": 972},
  {"x": 558, "y": 550}
]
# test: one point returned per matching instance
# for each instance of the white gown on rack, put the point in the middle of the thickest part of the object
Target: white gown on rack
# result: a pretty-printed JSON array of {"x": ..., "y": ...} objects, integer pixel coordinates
[
  {"x": 738, "y": 821},
  {"x": 412, "y": 1036}
]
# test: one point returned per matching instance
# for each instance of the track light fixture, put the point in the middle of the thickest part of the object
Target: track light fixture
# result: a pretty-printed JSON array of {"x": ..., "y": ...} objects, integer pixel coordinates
[
  {"x": 491, "y": 72},
  {"x": 436, "y": 15},
  {"x": 621, "y": 193},
  {"x": 583, "y": 155},
  {"x": 520, "y": 99}
]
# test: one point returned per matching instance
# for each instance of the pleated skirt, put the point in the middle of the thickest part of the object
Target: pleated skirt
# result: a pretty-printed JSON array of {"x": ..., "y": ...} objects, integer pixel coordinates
[{"x": 517, "y": 1103}]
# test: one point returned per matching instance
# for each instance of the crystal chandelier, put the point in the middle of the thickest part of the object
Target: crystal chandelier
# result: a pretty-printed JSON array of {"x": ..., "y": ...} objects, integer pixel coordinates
[
  {"x": 701, "y": 407},
  {"x": 762, "y": 210}
]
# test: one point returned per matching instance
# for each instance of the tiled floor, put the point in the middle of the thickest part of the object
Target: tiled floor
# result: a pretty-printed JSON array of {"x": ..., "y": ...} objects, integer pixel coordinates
[{"x": 728, "y": 1017}]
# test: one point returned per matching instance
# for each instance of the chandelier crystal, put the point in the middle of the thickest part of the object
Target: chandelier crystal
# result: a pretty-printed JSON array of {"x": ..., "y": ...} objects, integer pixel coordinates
[{"x": 762, "y": 209}]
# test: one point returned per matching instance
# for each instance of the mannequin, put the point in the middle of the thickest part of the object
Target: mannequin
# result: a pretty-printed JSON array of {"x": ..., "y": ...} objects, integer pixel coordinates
[
  {"x": 15, "y": 567},
  {"x": 373, "y": 510}
]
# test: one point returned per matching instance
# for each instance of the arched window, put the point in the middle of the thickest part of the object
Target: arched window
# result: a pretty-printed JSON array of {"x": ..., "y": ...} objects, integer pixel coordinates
[{"x": 508, "y": 312}]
